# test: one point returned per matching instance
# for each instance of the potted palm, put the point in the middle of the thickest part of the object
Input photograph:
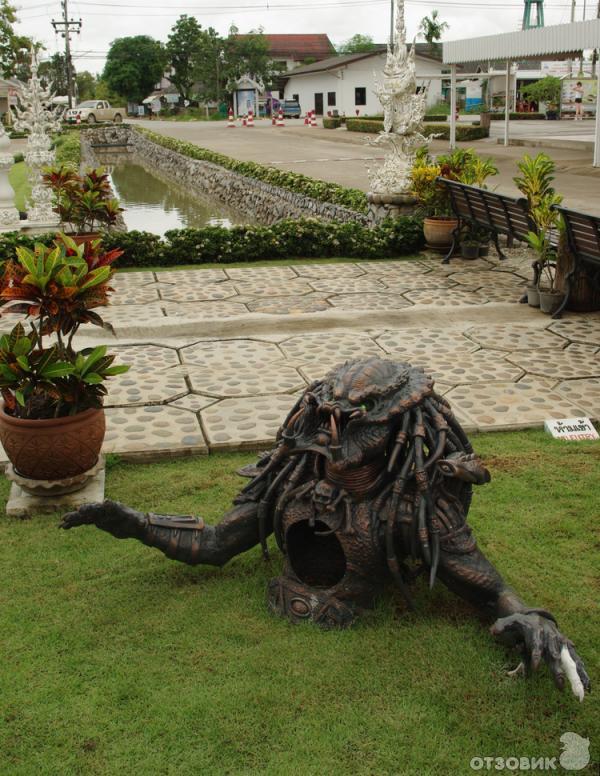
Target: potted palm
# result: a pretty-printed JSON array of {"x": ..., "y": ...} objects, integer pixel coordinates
[
  {"x": 52, "y": 421},
  {"x": 85, "y": 203}
]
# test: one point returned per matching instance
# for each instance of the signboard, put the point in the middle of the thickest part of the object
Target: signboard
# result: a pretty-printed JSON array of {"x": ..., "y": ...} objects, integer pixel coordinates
[
  {"x": 587, "y": 92},
  {"x": 571, "y": 429},
  {"x": 13, "y": 97}
]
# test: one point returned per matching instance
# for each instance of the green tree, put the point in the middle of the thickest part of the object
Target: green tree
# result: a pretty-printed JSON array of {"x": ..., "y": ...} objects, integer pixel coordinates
[
  {"x": 15, "y": 50},
  {"x": 134, "y": 66},
  {"x": 431, "y": 28},
  {"x": 86, "y": 85},
  {"x": 184, "y": 52},
  {"x": 209, "y": 65},
  {"x": 248, "y": 55},
  {"x": 546, "y": 90},
  {"x": 53, "y": 73},
  {"x": 357, "y": 44}
]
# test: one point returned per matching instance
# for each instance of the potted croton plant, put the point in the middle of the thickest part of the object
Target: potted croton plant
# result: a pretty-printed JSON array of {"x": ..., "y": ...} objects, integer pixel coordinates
[
  {"x": 85, "y": 203},
  {"x": 52, "y": 422}
]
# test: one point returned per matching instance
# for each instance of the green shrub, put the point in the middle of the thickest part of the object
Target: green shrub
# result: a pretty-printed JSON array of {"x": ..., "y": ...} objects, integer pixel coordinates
[
  {"x": 436, "y": 117},
  {"x": 463, "y": 133},
  {"x": 17, "y": 158},
  {"x": 306, "y": 238},
  {"x": 332, "y": 123},
  {"x": 323, "y": 191},
  {"x": 68, "y": 149},
  {"x": 364, "y": 125},
  {"x": 518, "y": 116},
  {"x": 14, "y": 135}
]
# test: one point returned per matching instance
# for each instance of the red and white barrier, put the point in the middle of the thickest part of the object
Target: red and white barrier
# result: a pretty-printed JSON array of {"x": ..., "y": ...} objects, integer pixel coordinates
[
  {"x": 230, "y": 122},
  {"x": 78, "y": 119},
  {"x": 250, "y": 122},
  {"x": 307, "y": 119},
  {"x": 313, "y": 119},
  {"x": 244, "y": 121},
  {"x": 280, "y": 121}
]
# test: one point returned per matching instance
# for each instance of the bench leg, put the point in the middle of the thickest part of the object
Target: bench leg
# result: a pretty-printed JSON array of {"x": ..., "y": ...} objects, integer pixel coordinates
[
  {"x": 455, "y": 233},
  {"x": 535, "y": 280},
  {"x": 563, "y": 304},
  {"x": 501, "y": 255}
]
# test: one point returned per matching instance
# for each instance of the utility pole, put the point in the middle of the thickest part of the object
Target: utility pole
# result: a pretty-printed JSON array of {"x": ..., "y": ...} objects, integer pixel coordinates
[{"x": 66, "y": 26}]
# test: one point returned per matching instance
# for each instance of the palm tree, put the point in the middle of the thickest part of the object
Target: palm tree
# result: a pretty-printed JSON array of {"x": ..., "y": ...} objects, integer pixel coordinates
[{"x": 431, "y": 28}]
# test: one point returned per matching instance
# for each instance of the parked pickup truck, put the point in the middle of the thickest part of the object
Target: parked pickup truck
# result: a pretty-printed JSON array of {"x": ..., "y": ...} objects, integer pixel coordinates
[
  {"x": 92, "y": 111},
  {"x": 291, "y": 109}
]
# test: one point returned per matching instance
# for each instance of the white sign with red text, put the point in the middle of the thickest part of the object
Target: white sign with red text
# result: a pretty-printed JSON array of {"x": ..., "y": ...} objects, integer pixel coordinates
[{"x": 571, "y": 429}]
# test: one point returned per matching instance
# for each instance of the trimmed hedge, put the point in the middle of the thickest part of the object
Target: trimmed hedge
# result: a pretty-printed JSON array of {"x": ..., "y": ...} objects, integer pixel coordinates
[
  {"x": 322, "y": 191},
  {"x": 518, "y": 116},
  {"x": 437, "y": 117},
  {"x": 463, "y": 133},
  {"x": 288, "y": 239},
  {"x": 332, "y": 123}
]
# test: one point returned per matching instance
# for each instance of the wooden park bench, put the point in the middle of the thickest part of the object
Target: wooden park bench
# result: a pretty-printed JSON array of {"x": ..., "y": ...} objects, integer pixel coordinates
[
  {"x": 496, "y": 213},
  {"x": 581, "y": 281}
]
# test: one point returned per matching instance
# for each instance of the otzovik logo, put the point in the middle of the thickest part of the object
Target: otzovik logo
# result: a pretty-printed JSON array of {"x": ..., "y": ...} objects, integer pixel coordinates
[{"x": 575, "y": 756}]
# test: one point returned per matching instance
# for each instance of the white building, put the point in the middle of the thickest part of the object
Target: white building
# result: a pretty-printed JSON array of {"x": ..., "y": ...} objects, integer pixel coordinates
[{"x": 346, "y": 84}]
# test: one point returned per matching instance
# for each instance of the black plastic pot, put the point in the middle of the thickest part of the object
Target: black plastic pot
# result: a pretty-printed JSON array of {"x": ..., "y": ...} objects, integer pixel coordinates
[{"x": 469, "y": 250}]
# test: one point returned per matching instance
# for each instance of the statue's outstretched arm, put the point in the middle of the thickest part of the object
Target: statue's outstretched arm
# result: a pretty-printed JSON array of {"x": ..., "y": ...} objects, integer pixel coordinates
[
  {"x": 184, "y": 538},
  {"x": 466, "y": 571}
]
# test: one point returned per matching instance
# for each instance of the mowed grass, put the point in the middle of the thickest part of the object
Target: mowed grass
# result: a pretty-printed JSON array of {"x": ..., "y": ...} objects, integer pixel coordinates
[
  {"x": 18, "y": 180},
  {"x": 116, "y": 660}
]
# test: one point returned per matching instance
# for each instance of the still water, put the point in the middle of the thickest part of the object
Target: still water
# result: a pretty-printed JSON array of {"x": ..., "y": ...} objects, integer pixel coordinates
[{"x": 153, "y": 204}]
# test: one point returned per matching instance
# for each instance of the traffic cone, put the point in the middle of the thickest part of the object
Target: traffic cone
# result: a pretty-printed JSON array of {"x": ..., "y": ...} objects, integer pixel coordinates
[
  {"x": 307, "y": 119},
  {"x": 230, "y": 122},
  {"x": 250, "y": 118},
  {"x": 78, "y": 119},
  {"x": 244, "y": 121},
  {"x": 313, "y": 119},
  {"x": 280, "y": 121}
]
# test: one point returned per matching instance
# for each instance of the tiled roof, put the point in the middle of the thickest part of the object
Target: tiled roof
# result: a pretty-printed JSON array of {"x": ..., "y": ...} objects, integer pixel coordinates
[{"x": 299, "y": 47}]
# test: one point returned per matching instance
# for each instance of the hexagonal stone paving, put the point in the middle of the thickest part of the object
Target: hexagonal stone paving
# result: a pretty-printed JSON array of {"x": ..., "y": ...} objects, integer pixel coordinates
[
  {"x": 396, "y": 269},
  {"x": 204, "y": 309},
  {"x": 264, "y": 379},
  {"x": 148, "y": 432},
  {"x": 511, "y": 405},
  {"x": 329, "y": 348},
  {"x": 132, "y": 279},
  {"x": 484, "y": 366},
  {"x": 318, "y": 271},
  {"x": 154, "y": 358},
  {"x": 235, "y": 354},
  {"x": 485, "y": 280},
  {"x": 584, "y": 393},
  {"x": 450, "y": 297},
  {"x": 239, "y": 423},
  {"x": 433, "y": 344},
  {"x": 130, "y": 294},
  {"x": 191, "y": 277},
  {"x": 562, "y": 364},
  {"x": 273, "y": 287},
  {"x": 512, "y": 336},
  {"x": 289, "y": 305},
  {"x": 369, "y": 302},
  {"x": 198, "y": 292},
  {"x": 343, "y": 285},
  {"x": 124, "y": 315},
  {"x": 142, "y": 386},
  {"x": 417, "y": 282},
  {"x": 264, "y": 274},
  {"x": 579, "y": 330}
]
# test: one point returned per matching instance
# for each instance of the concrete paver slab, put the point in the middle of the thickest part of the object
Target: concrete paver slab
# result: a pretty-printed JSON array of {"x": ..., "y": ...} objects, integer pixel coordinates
[{"x": 151, "y": 432}]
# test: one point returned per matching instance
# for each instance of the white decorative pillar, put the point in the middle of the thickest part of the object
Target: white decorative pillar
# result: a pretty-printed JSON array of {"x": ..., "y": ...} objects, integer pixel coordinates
[{"x": 9, "y": 215}]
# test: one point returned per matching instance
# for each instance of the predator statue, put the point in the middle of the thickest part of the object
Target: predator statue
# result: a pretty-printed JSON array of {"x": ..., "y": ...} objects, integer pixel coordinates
[{"x": 371, "y": 477}]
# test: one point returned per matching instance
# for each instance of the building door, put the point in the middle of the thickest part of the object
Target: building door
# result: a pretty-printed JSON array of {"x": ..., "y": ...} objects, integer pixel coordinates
[{"x": 319, "y": 104}]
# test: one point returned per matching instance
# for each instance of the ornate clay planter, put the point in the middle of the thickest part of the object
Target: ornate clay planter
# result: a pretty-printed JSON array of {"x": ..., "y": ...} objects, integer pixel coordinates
[
  {"x": 438, "y": 232},
  {"x": 53, "y": 449}
]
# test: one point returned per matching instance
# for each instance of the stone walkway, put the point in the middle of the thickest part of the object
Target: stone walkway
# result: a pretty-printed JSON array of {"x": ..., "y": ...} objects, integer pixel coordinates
[{"x": 218, "y": 355}]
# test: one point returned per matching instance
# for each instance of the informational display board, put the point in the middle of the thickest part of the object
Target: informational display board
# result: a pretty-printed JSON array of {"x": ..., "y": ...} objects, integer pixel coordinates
[
  {"x": 571, "y": 429},
  {"x": 588, "y": 95}
]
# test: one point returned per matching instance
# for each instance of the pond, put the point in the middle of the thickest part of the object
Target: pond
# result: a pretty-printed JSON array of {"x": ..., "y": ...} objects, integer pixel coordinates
[{"x": 154, "y": 204}]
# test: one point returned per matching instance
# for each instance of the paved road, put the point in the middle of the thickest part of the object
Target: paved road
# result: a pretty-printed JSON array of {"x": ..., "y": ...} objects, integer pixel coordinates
[{"x": 343, "y": 157}]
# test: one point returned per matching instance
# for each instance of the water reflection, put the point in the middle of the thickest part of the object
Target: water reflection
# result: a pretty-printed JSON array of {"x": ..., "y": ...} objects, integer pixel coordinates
[{"x": 156, "y": 205}]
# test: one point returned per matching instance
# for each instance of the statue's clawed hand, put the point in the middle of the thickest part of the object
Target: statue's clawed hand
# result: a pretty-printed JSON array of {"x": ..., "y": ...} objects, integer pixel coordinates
[
  {"x": 110, "y": 516},
  {"x": 539, "y": 639}
]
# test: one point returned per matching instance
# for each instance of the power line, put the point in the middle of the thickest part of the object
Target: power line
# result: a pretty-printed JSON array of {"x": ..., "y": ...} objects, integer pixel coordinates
[{"x": 66, "y": 26}]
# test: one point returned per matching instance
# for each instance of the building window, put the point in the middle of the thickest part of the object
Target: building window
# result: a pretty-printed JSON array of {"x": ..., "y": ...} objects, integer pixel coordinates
[
  {"x": 330, "y": 98},
  {"x": 360, "y": 95},
  {"x": 296, "y": 97}
]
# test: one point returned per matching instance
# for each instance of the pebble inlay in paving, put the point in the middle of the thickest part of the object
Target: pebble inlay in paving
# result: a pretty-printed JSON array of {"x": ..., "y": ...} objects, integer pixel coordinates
[
  {"x": 329, "y": 348},
  {"x": 369, "y": 302},
  {"x": 446, "y": 297},
  {"x": 199, "y": 293},
  {"x": 261, "y": 380},
  {"x": 317, "y": 271},
  {"x": 347, "y": 285},
  {"x": 290, "y": 305},
  {"x": 236, "y": 354},
  {"x": 509, "y": 336},
  {"x": 584, "y": 393},
  {"x": 579, "y": 330},
  {"x": 239, "y": 423},
  {"x": 484, "y": 366},
  {"x": 560, "y": 365},
  {"x": 152, "y": 431}
]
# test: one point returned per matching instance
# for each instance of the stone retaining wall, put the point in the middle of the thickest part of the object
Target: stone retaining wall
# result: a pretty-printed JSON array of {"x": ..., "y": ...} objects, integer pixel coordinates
[{"x": 260, "y": 201}]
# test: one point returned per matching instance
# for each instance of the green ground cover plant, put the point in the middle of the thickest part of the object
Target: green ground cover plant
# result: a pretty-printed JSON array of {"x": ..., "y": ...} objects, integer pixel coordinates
[
  {"x": 323, "y": 191},
  {"x": 303, "y": 238},
  {"x": 117, "y": 660},
  {"x": 463, "y": 132}
]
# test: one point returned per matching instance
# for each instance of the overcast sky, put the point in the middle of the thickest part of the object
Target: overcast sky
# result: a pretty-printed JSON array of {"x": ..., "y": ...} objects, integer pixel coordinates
[{"x": 105, "y": 20}]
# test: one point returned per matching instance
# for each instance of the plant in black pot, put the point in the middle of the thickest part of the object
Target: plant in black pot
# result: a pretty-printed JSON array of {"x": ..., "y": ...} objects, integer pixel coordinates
[
  {"x": 52, "y": 422},
  {"x": 544, "y": 242}
]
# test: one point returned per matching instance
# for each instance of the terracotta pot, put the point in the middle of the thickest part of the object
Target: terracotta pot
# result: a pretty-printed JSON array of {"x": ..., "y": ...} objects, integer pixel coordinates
[
  {"x": 83, "y": 237},
  {"x": 550, "y": 301},
  {"x": 53, "y": 449},
  {"x": 438, "y": 232}
]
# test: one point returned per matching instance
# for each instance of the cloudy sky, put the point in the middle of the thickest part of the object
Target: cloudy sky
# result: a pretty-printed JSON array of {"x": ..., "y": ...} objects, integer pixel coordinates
[{"x": 105, "y": 20}]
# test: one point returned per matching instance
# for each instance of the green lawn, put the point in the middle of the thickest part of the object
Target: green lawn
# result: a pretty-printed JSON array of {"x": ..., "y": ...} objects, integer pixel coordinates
[{"x": 118, "y": 661}]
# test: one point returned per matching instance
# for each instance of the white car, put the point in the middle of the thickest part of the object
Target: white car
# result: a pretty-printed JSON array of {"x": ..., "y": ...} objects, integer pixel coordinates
[{"x": 92, "y": 111}]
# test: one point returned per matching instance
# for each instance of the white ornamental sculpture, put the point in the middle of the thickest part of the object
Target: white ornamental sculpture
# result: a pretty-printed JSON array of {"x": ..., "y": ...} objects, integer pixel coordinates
[
  {"x": 403, "y": 111},
  {"x": 9, "y": 215},
  {"x": 36, "y": 116}
]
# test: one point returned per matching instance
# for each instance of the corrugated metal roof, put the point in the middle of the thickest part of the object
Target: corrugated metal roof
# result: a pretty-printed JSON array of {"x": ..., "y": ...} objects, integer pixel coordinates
[
  {"x": 424, "y": 50},
  {"x": 538, "y": 43}
]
